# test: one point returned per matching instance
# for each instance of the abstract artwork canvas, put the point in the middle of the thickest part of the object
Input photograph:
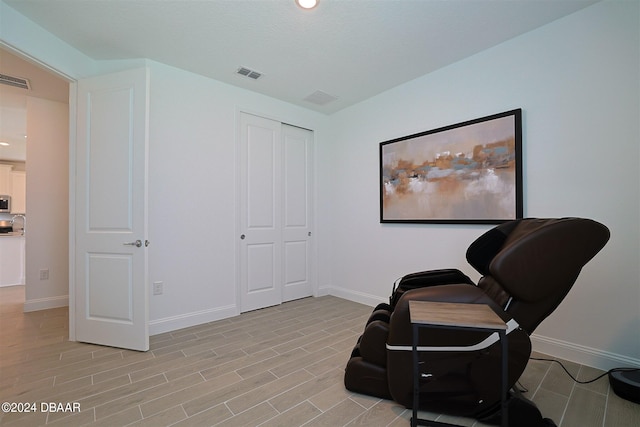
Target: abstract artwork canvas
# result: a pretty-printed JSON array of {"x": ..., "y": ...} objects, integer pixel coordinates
[{"x": 469, "y": 172}]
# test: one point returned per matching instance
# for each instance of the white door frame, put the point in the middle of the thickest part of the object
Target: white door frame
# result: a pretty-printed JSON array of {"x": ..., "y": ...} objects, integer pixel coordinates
[{"x": 73, "y": 121}]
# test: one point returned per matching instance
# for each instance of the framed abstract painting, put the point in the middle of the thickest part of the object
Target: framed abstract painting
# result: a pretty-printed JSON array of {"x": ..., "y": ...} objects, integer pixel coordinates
[{"x": 466, "y": 173}]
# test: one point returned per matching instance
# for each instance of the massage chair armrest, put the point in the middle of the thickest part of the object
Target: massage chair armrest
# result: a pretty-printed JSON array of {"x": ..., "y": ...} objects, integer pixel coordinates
[
  {"x": 434, "y": 277},
  {"x": 427, "y": 278},
  {"x": 400, "y": 325}
]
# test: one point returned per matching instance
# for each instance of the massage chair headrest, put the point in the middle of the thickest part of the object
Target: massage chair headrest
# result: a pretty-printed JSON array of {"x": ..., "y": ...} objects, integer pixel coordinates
[{"x": 533, "y": 258}]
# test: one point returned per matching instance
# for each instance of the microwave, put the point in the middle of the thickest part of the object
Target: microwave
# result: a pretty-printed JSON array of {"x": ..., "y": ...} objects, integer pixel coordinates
[{"x": 5, "y": 203}]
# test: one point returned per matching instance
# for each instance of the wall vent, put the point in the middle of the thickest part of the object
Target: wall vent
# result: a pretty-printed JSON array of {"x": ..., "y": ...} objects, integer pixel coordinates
[
  {"x": 243, "y": 71},
  {"x": 14, "y": 81},
  {"x": 320, "y": 98}
]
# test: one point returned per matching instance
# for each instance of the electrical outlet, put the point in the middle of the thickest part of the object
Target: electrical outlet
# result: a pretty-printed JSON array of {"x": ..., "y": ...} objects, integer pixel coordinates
[
  {"x": 44, "y": 274},
  {"x": 157, "y": 288}
]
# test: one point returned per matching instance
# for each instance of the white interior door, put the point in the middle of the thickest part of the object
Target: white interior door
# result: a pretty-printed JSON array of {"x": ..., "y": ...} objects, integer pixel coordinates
[
  {"x": 297, "y": 151},
  {"x": 260, "y": 212},
  {"x": 111, "y": 210}
]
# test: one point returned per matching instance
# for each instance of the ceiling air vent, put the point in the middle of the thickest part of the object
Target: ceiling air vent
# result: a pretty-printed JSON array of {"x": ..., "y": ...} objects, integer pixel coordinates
[
  {"x": 249, "y": 73},
  {"x": 320, "y": 98},
  {"x": 14, "y": 81}
]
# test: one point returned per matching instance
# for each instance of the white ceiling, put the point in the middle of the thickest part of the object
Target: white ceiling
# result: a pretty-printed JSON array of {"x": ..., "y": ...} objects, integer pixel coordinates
[{"x": 349, "y": 49}]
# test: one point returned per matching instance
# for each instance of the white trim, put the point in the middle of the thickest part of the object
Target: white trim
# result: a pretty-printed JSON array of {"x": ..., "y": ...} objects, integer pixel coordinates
[
  {"x": 360, "y": 297},
  {"x": 46, "y": 303},
  {"x": 581, "y": 354},
  {"x": 173, "y": 323},
  {"x": 13, "y": 284},
  {"x": 490, "y": 340},
  {"x": 322, "y": 291},
  {"x": 73, "y": 119}
]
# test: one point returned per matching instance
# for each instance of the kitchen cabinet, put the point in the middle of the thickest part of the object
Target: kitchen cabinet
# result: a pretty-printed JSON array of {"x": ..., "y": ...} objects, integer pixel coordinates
[
  {"x": 14, "y": 184},
  {"x": 12, "y": 257},
  {"x": 5, "y": 179},
  {"x": 18, "y": 192}
]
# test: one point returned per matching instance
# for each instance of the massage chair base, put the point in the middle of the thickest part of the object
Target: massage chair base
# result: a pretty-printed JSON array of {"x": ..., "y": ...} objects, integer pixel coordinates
[{"x": 521, "y": 412}]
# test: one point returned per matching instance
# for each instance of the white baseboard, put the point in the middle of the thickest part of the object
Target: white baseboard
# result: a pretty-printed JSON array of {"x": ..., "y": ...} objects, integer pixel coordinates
[
  {"x": 360, "y": 297},
  {"x": 169, "y": 324},
  {"x": 46, "y": 303},
  {"x": 6, "y": 285},
  {"x": 322, "y": 291},
  {"x": 584, "y": 355}
]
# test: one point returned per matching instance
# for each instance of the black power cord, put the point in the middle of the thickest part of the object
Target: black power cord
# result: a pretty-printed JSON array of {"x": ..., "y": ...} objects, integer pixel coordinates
[{"x": 589, "y": 381}]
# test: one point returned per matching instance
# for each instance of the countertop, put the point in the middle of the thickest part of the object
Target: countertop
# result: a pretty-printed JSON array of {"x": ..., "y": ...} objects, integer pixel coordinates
[{"x": 12, "y": 234}]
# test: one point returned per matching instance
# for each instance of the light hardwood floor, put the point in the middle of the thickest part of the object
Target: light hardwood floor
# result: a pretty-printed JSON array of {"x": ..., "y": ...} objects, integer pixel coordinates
[{"x": 280, "y": 366}]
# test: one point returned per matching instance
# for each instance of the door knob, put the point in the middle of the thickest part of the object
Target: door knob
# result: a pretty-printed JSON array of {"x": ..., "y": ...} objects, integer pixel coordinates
[
  {"x": 242, "y": 236},
  {"x": 137, "y": 243}
]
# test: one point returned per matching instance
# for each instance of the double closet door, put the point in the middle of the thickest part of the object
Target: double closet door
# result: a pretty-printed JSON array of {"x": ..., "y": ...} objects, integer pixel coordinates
[{"x": 276, "y": 214}]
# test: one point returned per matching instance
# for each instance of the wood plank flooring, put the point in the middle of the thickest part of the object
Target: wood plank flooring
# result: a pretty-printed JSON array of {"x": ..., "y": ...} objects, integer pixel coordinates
[{"x": 280, "y": 366}]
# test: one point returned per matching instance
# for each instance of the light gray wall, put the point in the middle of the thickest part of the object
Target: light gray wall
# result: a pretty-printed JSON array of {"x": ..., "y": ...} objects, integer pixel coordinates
[
  {"x": 192, "y": 192},
  {"x": 577, "y": 82},
  {"x": 47, "y": 226}
]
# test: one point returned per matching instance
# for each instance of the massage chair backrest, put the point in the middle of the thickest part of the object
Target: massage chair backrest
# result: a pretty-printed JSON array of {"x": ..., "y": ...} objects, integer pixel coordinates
[{"x": 529, "y": 265}]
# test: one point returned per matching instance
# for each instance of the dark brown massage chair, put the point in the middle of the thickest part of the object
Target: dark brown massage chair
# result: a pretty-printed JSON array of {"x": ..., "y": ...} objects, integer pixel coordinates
[{"x": 528, "y": 266}]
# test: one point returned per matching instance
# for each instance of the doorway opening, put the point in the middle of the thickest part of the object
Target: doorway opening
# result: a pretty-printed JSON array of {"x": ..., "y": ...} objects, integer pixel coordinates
[{"x": 35, "y": 122}]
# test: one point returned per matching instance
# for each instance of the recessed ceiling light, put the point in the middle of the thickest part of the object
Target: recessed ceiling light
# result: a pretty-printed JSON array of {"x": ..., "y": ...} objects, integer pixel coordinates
[{"x": 307, "y": 4}]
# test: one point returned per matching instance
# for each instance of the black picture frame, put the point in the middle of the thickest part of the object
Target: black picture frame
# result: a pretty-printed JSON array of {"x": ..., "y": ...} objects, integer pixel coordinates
[{"x": 465, "y": 173}]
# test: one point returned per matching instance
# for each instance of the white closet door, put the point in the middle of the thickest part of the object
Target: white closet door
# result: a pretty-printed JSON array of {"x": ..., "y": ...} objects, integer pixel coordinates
[
  {"x": 260, "y": 213},
  {"x": 275, "y": 212},
  {"x": 297, "y": 147}
]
